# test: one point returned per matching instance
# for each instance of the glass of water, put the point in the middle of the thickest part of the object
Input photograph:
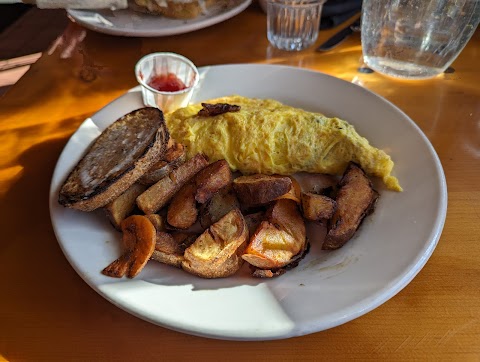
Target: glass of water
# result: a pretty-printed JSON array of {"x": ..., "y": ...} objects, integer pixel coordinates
[
  {"x": 293, "y": 24},
  {"x": 416, "y": 39}
]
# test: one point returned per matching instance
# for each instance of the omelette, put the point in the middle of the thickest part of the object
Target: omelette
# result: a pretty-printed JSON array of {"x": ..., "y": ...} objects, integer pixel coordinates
[{"x": 266, "y": 136}]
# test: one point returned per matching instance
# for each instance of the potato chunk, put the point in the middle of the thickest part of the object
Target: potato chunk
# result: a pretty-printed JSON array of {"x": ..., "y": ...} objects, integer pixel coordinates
[
  {"x": 159, "y": 194},
  {"x": 261, "y": 189},
  {"x": 217, "y": 252},
  {"x": 279, "y": 238},
  {"x": 355, "y": 199},
  {"x": 169, "y": 248},
  {"x": 317, "y": 207},
  {"x": 173, "y": 157},
  {"x": 182, "y": 211},
  {"x": 224, "y": 201},
  {"x": 123, "y": 206},
  {"x": 211, "y": 179}
]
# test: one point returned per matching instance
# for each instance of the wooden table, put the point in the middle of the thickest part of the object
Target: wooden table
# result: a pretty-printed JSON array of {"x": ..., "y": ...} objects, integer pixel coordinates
[{"x": 48, "y": 312}]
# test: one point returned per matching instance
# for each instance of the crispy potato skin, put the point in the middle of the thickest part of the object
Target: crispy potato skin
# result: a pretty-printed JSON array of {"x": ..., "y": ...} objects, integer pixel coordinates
[
  {"x": 285, "y": 213},
  {"x": 277, "y": 239},
  {"x": 159, "y": 194},
  {"x": 270, "y": 273},
  {"x": 122, "y": 207},
  {"x": 168, "y": 250},
  {"x": 174, "y": 157},
  {"x": 157, "y": 221},
  {"x": 217, "y": 252},
  {"x": 211, "y": 179},
  {"x": 221, "y": 203},
  {"x": 182, "y": 211},
  {"x": 317, "y": 207},
  {"x": 355, "y": 199},
  {"x": 294, "y": 193},
  {"x": 261, "y": 189},
  {"x": 253, "y": 220}
]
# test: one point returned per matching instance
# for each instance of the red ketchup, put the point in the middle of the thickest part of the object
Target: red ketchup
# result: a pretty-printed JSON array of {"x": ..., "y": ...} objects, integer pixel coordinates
[{"x": 166, "y": 83}]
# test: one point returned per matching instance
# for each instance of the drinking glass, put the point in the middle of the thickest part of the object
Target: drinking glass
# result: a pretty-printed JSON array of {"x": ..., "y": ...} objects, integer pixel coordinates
[
  {"x": 416, "y": 39},
  {"x": 293, "y": 24}
]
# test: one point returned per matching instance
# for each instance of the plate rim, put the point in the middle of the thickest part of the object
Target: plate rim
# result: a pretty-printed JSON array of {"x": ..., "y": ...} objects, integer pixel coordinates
[
  {"x": 186, "y": 28},
  {"x": 384, "y": 294}
]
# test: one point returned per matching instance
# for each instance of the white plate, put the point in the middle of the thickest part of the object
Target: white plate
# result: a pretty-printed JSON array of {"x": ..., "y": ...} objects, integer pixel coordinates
[
  {"x": 327, "y": 288},
  {"x": 131, "y": 23}
]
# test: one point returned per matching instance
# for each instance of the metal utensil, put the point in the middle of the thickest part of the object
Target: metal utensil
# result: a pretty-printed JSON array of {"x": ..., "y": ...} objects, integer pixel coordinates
[{"x": 339, "y": 37}]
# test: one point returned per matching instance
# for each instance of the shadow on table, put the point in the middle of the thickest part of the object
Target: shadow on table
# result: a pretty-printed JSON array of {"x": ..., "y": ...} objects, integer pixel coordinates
[{"x": 41, "y": 294}]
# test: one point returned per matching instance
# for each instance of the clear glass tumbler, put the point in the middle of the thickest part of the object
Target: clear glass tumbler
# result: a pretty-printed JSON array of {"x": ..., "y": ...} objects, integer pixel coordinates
[
  {"x": 293, "y": 24},
  {"x": 416, "y": 39}
]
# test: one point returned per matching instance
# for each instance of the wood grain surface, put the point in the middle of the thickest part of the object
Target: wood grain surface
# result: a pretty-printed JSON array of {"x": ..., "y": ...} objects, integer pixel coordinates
[{"x": 47, "y": 312}]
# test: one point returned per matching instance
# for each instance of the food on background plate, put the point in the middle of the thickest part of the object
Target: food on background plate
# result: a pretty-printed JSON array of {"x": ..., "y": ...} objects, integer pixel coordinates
[
  {"x": 177, "y": 9},
  {"x": 287, "y": 140},
  {"x": 116, "y": 160}
]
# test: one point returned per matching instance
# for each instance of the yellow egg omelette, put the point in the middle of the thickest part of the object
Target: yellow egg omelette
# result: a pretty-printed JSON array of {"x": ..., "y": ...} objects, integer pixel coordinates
[{"x": 266, "y": 136}]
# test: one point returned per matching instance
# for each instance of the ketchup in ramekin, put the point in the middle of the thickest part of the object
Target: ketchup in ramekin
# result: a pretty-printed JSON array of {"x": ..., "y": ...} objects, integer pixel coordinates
[{"x": 167, "y": 80}]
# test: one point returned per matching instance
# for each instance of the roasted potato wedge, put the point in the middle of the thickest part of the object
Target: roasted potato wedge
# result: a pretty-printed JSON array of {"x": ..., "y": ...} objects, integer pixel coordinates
[
  {"x": 182, "y": 211},
  {"x": 224, "y": 201},
  {"x": 270, "y": 273},
  {"x": 261, "y": 189},
  {"x": 173, "y": 157},
  {"x": 169, "y": 248},
  {"x": 124, "y": 205},
  {"x": 279, "y": 238},
  {"x": 253, "y": 220},
  {"x": 217, "y": 252},
  {"x": 317, "y": 207},
  {"x": 157, "y": 221},
  {"x": 355, "y": 199},
  {"x": 294, "y": 193},
  {"x": 315, "y": 182},
  {"x": 211, "y": 179},
  {"x": 159, "y": 194}
]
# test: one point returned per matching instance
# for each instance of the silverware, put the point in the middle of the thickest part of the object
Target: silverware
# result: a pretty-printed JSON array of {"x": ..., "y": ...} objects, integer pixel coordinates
[{"x": 339, "y": 37}]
